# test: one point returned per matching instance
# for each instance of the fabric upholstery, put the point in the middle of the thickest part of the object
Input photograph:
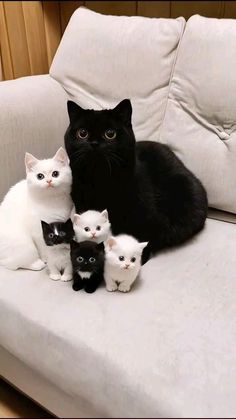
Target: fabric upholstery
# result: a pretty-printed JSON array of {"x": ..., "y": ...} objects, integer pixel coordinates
[
  {"x": 200, "y": 118},
  {"x": 166, "y": 349},
  {"x": 102, "y": 60},
  {"x": 33, "y": 118}
]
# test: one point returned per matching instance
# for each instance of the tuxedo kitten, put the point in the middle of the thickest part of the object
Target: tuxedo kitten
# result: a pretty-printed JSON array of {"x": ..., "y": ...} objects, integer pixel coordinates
[
  {"x": 88, "y": 265},
  {"x": 43, "y": 195},
  {"x": 123, "y": 256},
  {"x": 92, "y": 225},
  {"x": 57, "y": 237}
]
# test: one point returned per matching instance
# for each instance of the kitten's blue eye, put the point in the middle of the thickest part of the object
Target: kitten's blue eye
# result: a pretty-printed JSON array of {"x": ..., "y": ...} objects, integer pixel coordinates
[
  {"x": 87, "y": 229},
  {"x": 133, "y": 259},
  {"x": 55, "y": 173},
  {"x": 62, "y": 233},
  {"x": 40, "y": 176},
  {"x": 110, "y": 134},
  {"x": 51, "y": 235},
  {"x": 98, "y": 228},
  {"x": 82, "y": 133},
  {"x": 80, "y": 259},
  {"x": 121, "y": 258},
  {"x": 92, "y": 260}
]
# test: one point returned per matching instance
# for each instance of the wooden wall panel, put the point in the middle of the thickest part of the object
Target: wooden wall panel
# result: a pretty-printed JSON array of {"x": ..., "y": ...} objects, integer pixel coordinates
[
  {"x": 7, "y": 67},
  {"x": 154, "y": 8},
  {"x": 67, "y": 8},
  {"x": 230, "y": 9},
  {"x": 189, "y": 8},
  {"x": 127, "y": 8},
  {"x": 52, "y": 24}
]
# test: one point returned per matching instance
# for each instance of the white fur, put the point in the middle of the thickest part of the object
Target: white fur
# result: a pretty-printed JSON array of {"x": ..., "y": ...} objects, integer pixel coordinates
[
  {"x": 58, "y": 260},
  {"x": 115, "y": 273},
  {"x": 84, "y": 275},
  {"x": 92, "y": 219},
  {"x": 28, "y": 202}
]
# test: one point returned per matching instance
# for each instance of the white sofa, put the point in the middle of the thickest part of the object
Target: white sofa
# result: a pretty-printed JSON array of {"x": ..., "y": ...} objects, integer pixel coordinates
[{"x": 166, "y": 349}]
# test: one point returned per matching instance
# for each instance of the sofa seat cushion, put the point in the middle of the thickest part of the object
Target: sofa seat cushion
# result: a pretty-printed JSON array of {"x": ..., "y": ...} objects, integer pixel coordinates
[
  {"x": 200, "y": 118},
  {"x": 166, "y": 349},
  {"x": 102, "y": 60}
]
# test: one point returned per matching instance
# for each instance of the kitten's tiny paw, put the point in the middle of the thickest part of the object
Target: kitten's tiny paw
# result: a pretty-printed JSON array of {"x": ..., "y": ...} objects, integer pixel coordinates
[
  {"x": 66, "y": 278},
  {"x": 38, "y": 265},
  {"x": 112, "y": 287},
  {"x": 123, "y": 287},
  {"x": 55, "y": 277},
  {"x": 77, "y": 287}
]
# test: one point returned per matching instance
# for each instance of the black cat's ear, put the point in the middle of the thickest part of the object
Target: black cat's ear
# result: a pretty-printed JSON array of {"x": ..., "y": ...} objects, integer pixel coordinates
[
  {"x": 68, "y": 223},
  {"x": 69, "y": 227},
  {"x": 74, "y": 245},
  {"x": 45, "y": 226},
  {"x": 100, "y": 247},
  {"x": 74, "y": 110},
  {"x": 124, "y": 110}
]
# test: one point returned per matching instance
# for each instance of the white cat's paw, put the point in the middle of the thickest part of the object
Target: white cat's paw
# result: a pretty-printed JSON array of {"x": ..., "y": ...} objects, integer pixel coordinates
[
  {"x": 55, "y": 277},
  {"x": 38, "y": 265},
  {"x": 123, "y": 287},
  {"x": 111, "y": 287},
  {"x": 66, "y": 278}
]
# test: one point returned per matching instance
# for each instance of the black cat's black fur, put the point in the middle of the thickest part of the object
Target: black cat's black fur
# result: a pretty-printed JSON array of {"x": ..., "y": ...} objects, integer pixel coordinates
[
  {"x": 147, "y": 190},
  {"x": 87, "y": 257},
  {"x": 57, "y": 232}
]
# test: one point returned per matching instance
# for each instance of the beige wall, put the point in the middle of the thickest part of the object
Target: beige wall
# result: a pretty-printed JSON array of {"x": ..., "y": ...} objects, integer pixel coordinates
[{"x": 30, "y": 31}]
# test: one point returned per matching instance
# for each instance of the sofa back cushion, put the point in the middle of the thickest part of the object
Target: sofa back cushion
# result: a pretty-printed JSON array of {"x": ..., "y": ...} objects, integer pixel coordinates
[
  {"x": 200, "y": 118},
  {"x": 104, "y": 59}
]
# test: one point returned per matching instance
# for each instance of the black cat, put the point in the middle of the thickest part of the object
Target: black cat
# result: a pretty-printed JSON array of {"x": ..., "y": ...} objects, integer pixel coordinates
[
  {"x": 147, "y": 190},
  {"x": 88, "y": 265},
  {"x": 57, "y": 232}
]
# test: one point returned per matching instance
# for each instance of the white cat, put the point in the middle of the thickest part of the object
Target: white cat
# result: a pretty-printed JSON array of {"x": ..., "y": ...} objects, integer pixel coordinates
[
  {"x": 43, "y": 195},
  {"x": 122, "y": 262},
  {"x": 92, "y": 225}
]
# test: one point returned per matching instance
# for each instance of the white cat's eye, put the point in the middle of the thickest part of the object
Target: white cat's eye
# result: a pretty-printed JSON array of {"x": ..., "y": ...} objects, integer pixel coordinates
[
  {"x": 121, "y": 258},
  {"x": 110, "y": 134},
  {"x": 98, "y": 228},
  {"x": 55, "y": 173},
  {"x": 87, "y": 229},
  {"x": 40, "y": 176},
  {"x": 62, "y": 233},
  {"x": 80, "y": 259},
  {"x": 92, "y": 260},
  {"x": 51, "y": 235},
  {"x": 133, "y": 259},
  {"x": 82, "y": 133}
]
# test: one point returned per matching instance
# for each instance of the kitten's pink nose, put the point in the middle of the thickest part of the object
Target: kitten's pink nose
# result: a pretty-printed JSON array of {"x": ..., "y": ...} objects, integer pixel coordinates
[
  {"x": 93, "y": 235},
  {"x": 126, "y": 266},
  {"x": 49, "y": 182}
]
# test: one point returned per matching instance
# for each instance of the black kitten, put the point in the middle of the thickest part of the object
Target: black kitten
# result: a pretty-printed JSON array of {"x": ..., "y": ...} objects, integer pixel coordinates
[
  {"x": 88, "y": 265},
  {"x": 57, "y": 232},
  {"x": 147, "y": 190}
]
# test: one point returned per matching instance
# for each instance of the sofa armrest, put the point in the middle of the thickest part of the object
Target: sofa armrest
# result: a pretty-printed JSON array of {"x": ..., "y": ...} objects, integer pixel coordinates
[{"x": 33, "y": 118}]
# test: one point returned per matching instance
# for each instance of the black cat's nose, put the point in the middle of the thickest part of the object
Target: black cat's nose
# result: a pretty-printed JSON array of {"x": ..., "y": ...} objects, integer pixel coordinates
[{"x": 94, "y": 143}]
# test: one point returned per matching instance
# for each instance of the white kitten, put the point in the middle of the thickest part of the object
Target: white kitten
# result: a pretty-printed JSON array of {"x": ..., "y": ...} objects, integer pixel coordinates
[
  {"x": 122, "y": 262},
  {"x": 92, "y": 226},
  {"x": 43, "y": 195}
]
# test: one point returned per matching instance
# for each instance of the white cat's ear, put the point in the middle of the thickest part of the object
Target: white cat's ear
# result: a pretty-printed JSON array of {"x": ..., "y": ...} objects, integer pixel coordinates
[
  {"x": 143, "y": 245},
  {"x": 76, "y": 219},
  {"x": 105, "y": 214},
  {"x": 61, "y": 157},
  {"x": 110, "y": 243},
  {"x": 30, "y": 161}
]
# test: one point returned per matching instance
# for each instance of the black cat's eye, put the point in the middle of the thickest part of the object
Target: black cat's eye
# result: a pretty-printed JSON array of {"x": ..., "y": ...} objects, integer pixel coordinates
[
  {"x": 51, "y": 235},
  {"x": 82, "y": 133},
  {"x": 98, "y": 228},
  {"x": 62, "y": 233},
  {"x": 121, "y": 258},
  {"x": 110, "y": 134},
  {"x": 80, "y": 259},
  {"x": 55, "y": 173},
  {"x": 133, "y": 259},
  {"x": 40, "y": 176},
  {"x": 87, "y": 228},
  {"x": 92, "y": 260}
]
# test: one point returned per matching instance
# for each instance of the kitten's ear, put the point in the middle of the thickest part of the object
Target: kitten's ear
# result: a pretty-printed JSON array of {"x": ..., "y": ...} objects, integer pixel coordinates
[
  {"x": 105, "y": 214},
  {"x": 100, "y": 247},
  {"x": 76, "y": 219},
  {"x": 124, "y": 110},
  {"x": 45, "y": 226},
  {"x": 74, "y": 110},
  {"x": 61, "y": 157},
  {"x": 30, "y": 161},
  {"x": 68, "y": 223},
  {"x": 142, "y": 245},
  {"x": 110, "y": 243},
  {"x": 74, "y": 245}
]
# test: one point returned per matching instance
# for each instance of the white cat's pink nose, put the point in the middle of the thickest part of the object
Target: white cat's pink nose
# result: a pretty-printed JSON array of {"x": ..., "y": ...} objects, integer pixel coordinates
[
  {"x": 93, "y": 235},
  {"x": 126, "y": 266},
  {"x": 49, "y": 182}
]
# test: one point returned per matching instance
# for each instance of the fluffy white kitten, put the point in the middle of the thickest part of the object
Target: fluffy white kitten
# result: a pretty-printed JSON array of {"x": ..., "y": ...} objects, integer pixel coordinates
[
  {"x": 122, "y": 262},
  {"x": 43, "y": 195},
  {"x": 92, "y": 225},
  {"x": 58, "y": 259}
]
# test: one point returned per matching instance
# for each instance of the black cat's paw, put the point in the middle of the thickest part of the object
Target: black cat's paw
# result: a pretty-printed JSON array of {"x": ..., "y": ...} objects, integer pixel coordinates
[
  {"x": 90, "y": 289},
  {"x": 77, "y": 286}
]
